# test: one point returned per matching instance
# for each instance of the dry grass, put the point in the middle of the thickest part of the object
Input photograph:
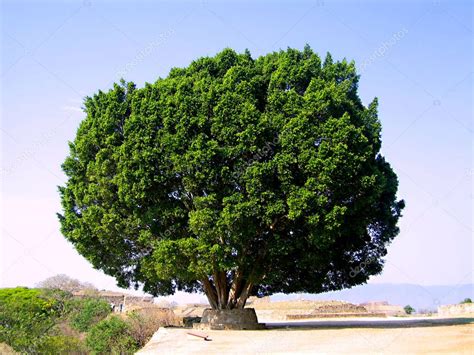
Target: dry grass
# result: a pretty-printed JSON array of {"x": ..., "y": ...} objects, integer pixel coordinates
[
  {"x": 144, "y": 322},
  {"x": 6, "y": 350}
]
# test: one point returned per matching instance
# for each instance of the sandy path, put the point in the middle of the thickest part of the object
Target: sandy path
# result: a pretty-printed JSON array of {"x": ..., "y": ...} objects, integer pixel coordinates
[{"x": 420, "y": 337}]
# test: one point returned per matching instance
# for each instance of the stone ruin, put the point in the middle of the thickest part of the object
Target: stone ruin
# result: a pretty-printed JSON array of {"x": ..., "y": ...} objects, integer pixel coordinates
[
  {"x": 120, "y": 302},
  {"x": 463, "y": 309},
  {"x": 384, "y": 307},
  {"x": 334, "y": 310}
]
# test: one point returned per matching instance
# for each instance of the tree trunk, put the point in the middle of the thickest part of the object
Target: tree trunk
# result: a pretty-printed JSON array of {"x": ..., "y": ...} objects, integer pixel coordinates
[
  {"x": 244, "y": 295},
  {"x": 235, "y": 289},
  {"x": 220, "y": 283},
  {"x": 223, "y": 296},
  {"x": 210, "y": 292}
]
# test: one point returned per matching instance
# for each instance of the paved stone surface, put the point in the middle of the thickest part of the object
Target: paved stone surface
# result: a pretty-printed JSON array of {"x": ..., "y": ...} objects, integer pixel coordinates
[{"x": 400, "y": 336}]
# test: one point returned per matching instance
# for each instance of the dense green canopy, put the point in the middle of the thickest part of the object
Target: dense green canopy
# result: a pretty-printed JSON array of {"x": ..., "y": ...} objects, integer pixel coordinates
[{"x": 234, "y": 176}]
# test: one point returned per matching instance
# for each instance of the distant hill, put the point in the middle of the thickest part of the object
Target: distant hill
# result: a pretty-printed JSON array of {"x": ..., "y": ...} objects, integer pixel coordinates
[{"x": 419, "y": 297}]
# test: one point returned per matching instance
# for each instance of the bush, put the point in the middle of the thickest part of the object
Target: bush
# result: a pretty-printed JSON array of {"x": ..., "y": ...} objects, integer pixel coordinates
[
  {"x": 60, "y": 344},
  {"x": 466, "y": 300},
  {"x": 85, "y": 312},
  {"x": 27, "y": 317},
  {"x": 111, "y": 335}
]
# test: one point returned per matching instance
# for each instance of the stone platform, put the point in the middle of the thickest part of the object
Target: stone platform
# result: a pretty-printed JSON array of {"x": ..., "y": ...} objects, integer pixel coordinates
[{"x": 229, "y": 319}]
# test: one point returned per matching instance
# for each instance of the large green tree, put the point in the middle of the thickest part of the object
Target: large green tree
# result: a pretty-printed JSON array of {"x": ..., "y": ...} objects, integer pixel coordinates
[{"x": 234, "y": 176}]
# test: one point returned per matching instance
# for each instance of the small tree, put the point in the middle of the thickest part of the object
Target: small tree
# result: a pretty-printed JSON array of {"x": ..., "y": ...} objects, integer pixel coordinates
[
  {"x": 65, "y": 283},
  {"x": 409, "y": 309},
  {"x": 234, "y": 176},
  {"x": 466, "y": 300}
]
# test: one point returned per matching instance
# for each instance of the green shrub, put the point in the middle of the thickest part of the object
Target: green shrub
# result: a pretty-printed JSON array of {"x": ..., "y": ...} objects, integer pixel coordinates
[
  {"x": 27, "y": 317},
  {"x": 466, "y": 300},
  {"x": 86, "y": 312},
  {"x": 60, "y": 344},
  {"x": 111, "y": 336}
]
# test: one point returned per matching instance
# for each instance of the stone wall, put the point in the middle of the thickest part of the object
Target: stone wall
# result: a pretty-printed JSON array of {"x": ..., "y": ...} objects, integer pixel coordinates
[{"x": 338, "y": 308}]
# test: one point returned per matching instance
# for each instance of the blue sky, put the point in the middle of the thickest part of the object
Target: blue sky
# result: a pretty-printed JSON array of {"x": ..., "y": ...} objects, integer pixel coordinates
[{"x": 415, "y": 56}]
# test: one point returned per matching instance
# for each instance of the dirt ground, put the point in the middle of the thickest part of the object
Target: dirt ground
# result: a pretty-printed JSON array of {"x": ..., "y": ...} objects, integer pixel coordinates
[{"x": 374, "y": 336}]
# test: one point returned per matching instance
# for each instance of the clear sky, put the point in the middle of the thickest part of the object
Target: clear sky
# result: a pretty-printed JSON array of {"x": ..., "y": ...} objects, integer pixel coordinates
[{"x": 415, "y": 56}]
